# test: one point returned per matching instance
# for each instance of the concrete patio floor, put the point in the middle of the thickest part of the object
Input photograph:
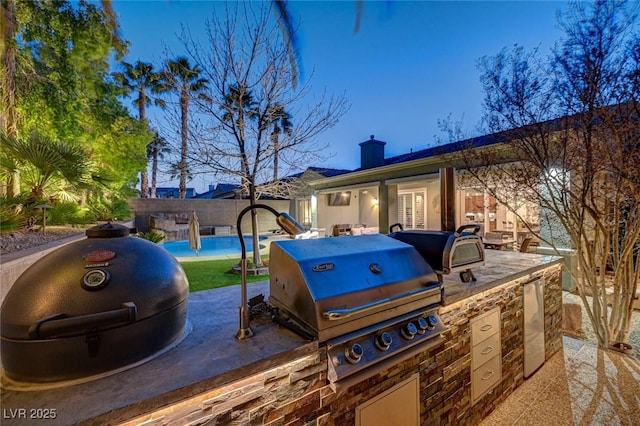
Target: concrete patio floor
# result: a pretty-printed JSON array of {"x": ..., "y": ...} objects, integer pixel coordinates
[{"x": 579, "y": 385}]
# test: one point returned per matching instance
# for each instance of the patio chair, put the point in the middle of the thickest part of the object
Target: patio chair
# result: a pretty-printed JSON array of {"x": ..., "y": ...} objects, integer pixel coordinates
[{"x": 529, "y": 245}]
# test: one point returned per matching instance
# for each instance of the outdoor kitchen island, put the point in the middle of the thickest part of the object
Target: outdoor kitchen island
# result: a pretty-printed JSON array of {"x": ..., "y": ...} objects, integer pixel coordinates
[{"x": 278, "y": 378}]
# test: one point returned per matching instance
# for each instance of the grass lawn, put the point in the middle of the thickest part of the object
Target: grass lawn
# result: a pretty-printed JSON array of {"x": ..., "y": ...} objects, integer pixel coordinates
[{"x": 207, "y": 274}]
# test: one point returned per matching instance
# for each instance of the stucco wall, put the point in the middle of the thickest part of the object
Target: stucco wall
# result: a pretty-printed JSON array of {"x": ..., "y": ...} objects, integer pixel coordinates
[{"x": 332, "y": 215}]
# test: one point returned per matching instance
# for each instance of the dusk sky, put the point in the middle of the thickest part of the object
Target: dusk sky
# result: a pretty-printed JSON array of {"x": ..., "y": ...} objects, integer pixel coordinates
[{"x": 411, "y": 63}]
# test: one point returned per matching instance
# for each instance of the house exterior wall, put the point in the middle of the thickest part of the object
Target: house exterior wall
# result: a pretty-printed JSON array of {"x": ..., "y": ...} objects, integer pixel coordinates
[
  {"x": 368, "y": 201},
  {"x": 332, "y": 215},
  {"x": 394, "y": 193}
]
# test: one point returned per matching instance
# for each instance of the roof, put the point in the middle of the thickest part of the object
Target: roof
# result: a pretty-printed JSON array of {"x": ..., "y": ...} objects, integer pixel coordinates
[
  {"x": 222, "y": 190},
  {"x": 449, "y": 148},
  {"x": 326, "y": 172}
]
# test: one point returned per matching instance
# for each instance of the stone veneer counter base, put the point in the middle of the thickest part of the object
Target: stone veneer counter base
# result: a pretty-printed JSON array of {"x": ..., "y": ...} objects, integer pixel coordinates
[{"x": 276, "y": 377}]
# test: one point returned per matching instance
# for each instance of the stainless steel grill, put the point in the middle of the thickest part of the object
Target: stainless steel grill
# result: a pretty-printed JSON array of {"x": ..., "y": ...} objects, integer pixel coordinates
[{"x": 371, "y": 299}]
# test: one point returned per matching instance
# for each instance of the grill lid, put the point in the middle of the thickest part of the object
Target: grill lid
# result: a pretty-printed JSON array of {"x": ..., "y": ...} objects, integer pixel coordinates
[
  {"x": 107, "y": 230},
  {"x": 92, "y": 306},
  {"x": 336, "y": 285}
]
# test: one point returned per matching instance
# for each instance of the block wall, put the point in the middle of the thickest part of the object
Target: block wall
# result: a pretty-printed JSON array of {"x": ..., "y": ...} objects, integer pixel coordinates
[{"x": 210, "y": 212}]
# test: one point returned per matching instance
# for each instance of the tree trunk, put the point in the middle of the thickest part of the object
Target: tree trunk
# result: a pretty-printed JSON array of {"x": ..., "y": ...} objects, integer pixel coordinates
[
  {"x": 8, "y": 119},
  {"x": 254, "y": 227},
  {"x": 144, "y": 175},
  {"x": 275, "y": 155},
  {"x": 154, "y": 171},
  {"x": 184, "y": 106},
  {"x": 144, "y": 184}
]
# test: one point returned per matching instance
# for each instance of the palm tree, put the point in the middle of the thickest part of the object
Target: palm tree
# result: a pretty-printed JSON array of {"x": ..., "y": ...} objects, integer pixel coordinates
[
  {"x": 181, "y": 78},
  {"x": 48, "y": 166},
  {"x": 141, "y": 78},
  {"x": 156, "y": 149},
  {"x": 281, "y": 121},
  {"x": 238, "y": 107}
]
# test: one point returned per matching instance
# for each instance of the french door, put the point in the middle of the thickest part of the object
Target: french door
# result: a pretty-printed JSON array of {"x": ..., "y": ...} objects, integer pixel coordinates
[{"x": 411, "y": 209}]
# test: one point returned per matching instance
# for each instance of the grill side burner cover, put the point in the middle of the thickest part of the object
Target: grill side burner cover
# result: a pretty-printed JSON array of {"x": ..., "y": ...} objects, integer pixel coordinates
[{"x": 92, "y": 306}]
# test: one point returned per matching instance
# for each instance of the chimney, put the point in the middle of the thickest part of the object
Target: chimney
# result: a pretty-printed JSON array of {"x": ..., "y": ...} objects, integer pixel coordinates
[
  {"x": 448, "y": 199},
  {"x": 372, "y": 153}
]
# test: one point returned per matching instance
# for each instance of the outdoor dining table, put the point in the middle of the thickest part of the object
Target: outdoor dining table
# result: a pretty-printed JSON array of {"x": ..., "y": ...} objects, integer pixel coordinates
[{"x": 496, "y": 244}]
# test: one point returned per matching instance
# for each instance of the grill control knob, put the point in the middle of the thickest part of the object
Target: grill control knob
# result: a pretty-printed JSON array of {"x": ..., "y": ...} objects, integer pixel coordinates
[
  {"x": 383, "y": 341},
  {"x": 423, "y": 325},
  {"x": 353, "y": 353},
  {"x": 432, "y": 320},
  {"x": 409, "y": 330}
]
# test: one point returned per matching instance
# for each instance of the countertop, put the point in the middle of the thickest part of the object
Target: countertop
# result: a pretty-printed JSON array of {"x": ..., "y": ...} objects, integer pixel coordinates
[
  {"x": 500, "y": 267},
  {"x": 210, "y": 356}
]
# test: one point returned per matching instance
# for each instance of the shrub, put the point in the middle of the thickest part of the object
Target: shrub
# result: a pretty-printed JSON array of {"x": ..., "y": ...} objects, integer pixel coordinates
[
  {"x": 11, "y": 217},
  {"x": 67, "y": 213},
  {"x": 154, "y": 237}
]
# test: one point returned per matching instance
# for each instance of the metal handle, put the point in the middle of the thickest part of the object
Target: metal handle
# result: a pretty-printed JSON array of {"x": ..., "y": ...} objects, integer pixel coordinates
[
  {"x": 475, "y": 226},
  {"x": 58, "y": 324},
  {"x": 487, "y": 350},
  {"x": 486, "y": 327},
  {"x": 337, "y": 314},
  {"x": 487, "y": 375},
  {"x": 396, "y": 225}
]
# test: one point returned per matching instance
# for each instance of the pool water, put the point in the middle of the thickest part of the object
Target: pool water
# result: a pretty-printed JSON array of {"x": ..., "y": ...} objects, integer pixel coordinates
[{"x": 211, "y": 246}]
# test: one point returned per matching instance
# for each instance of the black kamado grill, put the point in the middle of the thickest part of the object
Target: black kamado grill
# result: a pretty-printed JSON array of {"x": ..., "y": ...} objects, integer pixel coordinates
[{"x": 92, "y": 307}]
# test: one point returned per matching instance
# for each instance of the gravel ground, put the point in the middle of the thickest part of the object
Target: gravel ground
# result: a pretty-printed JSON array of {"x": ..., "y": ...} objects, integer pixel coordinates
[
  {"x": 15, "y": 241},
  {"x": 587, "y": 329}
]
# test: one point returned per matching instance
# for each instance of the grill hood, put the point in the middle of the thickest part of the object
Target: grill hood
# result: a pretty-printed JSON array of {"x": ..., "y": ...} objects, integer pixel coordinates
[{"x": 331, "y": 286}]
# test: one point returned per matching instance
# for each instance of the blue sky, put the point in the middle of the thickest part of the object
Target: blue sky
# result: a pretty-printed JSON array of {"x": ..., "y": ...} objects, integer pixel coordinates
[{"x": 411, "y": 64}]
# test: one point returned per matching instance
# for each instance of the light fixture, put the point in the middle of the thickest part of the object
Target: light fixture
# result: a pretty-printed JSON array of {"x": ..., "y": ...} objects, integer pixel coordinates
[
  {"x": 374, "y": 201},
  {"x": 44, "y": 208},
  {"x": 291, "y": 227}
]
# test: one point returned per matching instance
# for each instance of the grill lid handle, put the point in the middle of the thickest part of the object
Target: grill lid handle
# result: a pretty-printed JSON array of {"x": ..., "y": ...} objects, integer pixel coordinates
[
  {"x": 338, "y": 314},
  {"x": 475, "y": 226},
  {"x": 394, "y": 226},
  {"x": 58, "y": 325}
]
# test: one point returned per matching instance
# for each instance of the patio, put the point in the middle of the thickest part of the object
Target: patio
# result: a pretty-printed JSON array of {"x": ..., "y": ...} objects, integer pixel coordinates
[{"x": 579, "y": 385}]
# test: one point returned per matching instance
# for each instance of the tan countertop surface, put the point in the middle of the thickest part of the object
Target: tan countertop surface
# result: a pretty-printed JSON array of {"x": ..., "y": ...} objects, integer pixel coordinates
[
  {"x": 500, "y": 267},
  {"x": 208, "y": 357}
]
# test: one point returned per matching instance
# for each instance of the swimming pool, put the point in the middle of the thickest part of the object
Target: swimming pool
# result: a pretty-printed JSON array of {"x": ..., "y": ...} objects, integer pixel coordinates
[{"x": 211, "y": 246}]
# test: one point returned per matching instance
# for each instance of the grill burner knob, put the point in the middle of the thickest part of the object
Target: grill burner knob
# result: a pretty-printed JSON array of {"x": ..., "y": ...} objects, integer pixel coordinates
[
  {"x": 423, "y": 325},
  {"x": 353, "y": 353},
  {"x": 383, "y": 341},
  {"x": 432, "y": 320},
  {"x": 409, "y": 330}
]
